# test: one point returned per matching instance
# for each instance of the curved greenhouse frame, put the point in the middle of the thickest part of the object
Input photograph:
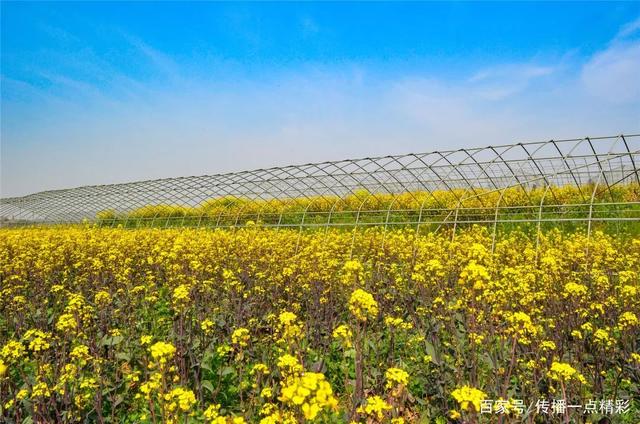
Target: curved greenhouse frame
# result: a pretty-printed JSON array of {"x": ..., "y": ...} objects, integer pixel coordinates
[{"x": 580, "y": 182}]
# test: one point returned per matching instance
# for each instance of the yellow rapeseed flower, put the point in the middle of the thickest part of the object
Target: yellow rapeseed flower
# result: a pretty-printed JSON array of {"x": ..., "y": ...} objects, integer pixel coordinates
[
  {"x": 240, "y": 337},
  {"x": 561, "y": 371},
  {"x": 374, "y": 406},
  {"x": 362, "y": 305},
  {"x": 627, "y": 320},
  {"x": 467, "y": 396},
  {"x": 396, "y": 376},
  {"x": 162, "y": 352},
  {"x": 344, "y": 335}
]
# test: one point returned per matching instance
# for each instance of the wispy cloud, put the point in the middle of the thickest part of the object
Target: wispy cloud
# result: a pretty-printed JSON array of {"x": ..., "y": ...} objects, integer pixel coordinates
[
  {"x": 502, "y": 81},
  {"x": 518, "y": 71},
  {"x": 162, "y": 63},
  {"x": 628, "y": 29},
  {"x": 613, "y": 74}
]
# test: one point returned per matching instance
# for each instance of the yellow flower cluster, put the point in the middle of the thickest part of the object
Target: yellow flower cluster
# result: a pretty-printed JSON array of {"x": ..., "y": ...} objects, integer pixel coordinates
[
  {"x": 206, "y": 326},
  {"x": 467, "y": 396},
  {"x": 575, "y": 289},
  {"x": 475, "y": 274},
  {"x": 627, "y": 320},
  {"x": 602, "y": 338},
  {"x": 352, "y": 271},
  {"x": 180, "y": 399},
  {"x": 240, "y": 337},
  {"x": 362, "y": 305},
  {"x": 547, "y": 345},
  {"x": 102, "y": 298},
  {"x": 260, "y": 369},
  {"x": 306, "y": 392},
  {"x": 151, "y": 386},
  {"x": 395, "y": 377},
  {"x": 289, "y": 329},
  {"x": 38, "y": 340},
  {"x": 522, "y": 327},
  {"x": 80, "y": 354},
  {"x": 162, "y": 352},
  {"x": 66, "y": 322},
  {"x": 289, "y": 364},
  {"x": 564, "y": 372},
  {"x": 310, "y": 391},
  {"x": 181, "y": 296},
  {"x": 343, "y": 334},
  {"x": 40, "y": 389},
  {"x": 12, "y": 351},
  {"x": 212, "y": 416},
  {"x": 375, "y": 406},
  {"x": 398, "y": 323}
]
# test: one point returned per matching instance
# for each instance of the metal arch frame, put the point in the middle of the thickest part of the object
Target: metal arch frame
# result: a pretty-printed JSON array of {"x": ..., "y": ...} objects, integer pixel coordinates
[
  {"x": 396, "y": 196},
  {"x": 242, "y": 181},
  {"x": 515, "y": 176},
  {"x": 601, "y": 174},
  {"x": 304, "y": 216},
  {"x": 476, "y": 195},
  {"x": 503, "y": 190},
  {"x": 424, "y": 187},
  {"x": 442, "y": 157},
  {"x": 497, "y": 210},
  {"x": 455, "y": 167},
  {"x": 595, "y": 189},
  {"x": 564, "y": 160},
  {"x": 530, "y": 156},
  {"x": 368, "y": 196},
  {"x": 478, "y": 172},
  {"x": 633, "y": 162},
  {"x": 548, "y": 186},
  {"x": 282, "y": 200},
  {"x": 431, "y": 169}
]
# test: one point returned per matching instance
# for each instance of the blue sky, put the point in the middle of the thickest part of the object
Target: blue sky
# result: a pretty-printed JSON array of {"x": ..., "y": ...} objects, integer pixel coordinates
[{"x": 110, "y": 92}]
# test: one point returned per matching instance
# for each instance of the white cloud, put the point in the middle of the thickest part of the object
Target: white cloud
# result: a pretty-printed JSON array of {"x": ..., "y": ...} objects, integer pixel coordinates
[
  {"x": 614, "y": 74},
  {"x": 512, "y": 71},
  {"x": 629, "y": 29},
  {"x": 500, "y": 82}
]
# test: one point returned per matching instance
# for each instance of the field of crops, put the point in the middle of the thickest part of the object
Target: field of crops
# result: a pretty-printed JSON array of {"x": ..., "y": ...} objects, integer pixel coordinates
[
  {"x": 516, "y": 204},
  {"x": 279, "y": 326}
]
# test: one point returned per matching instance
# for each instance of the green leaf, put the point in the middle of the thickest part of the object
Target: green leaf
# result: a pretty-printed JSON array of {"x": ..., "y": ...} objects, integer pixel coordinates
[
  {"x": 206, "y": 366},
  {"x": 123, "y": 356},
  {"x": 226, "y": 371},
  {"x": 206, "y": 384},
  {"x": 118, "y": 400},
  {"x": 486, "y": 360},
  {"x": 431, "y": 351},
  {"x": 111, "y": 341}
]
